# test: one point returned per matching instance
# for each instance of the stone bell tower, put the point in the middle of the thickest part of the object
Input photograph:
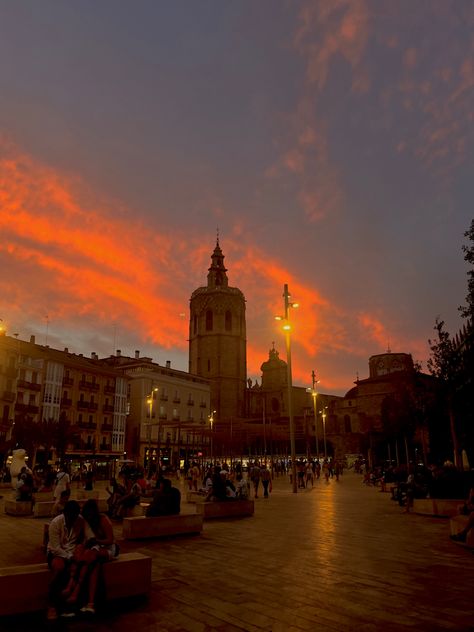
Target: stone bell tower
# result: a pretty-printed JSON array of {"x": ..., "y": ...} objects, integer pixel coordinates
[{"x": 217, "y": 340}]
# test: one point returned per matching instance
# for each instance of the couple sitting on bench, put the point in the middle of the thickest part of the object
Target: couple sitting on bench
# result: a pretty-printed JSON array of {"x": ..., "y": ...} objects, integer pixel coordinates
[
  {"x": 166, "y": 500},
  {"x": 77, "y": 546},
  {"x": 467, "y": 509}
]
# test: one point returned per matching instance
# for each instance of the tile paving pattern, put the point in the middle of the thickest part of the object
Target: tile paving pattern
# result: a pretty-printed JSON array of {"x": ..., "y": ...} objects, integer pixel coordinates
[{"x": 340, "y": 557}]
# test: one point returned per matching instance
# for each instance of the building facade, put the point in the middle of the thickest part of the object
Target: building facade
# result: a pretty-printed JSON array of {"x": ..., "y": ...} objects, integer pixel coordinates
[
  {"x": 50, "y": 397},
  {"x": 169, "y": 411}
]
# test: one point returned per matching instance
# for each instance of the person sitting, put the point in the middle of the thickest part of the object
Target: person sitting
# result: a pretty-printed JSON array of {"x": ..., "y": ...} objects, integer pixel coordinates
[
  {"x": 218, "y": 490},
  {"x": 166, "y": 500},
  {"x": 24, "y": 486},
  {"x": 99, "y": 547},
  {"x": 129, "y": 501},
  {"x": 117, "y": 492},
  {"x": 65, "y": 533},
  {"x": 467, "y": 509},
  {"x": 241, "y": 488}
]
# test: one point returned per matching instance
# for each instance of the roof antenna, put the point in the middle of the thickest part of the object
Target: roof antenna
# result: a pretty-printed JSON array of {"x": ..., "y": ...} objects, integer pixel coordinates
[
  {"x": 217, "y": 232},
  {"x": 388, "y": 346}
]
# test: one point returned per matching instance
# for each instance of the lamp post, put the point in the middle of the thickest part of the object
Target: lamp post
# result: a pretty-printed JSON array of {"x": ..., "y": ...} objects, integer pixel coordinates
[
  {"x": 287, "y": 330},
  {"x": 323, "y": 413},
  {"x": 211, "y": 424},
  {"x": 149, "y": 401},
  {"x": 314, "y": 396}
]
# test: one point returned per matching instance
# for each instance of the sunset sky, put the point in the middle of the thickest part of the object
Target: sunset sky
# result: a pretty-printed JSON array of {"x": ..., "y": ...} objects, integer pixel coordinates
[{"x": 330, "y": 142}]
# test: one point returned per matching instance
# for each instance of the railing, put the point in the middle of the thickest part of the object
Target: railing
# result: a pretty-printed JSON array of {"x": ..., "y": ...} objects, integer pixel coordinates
[
  {"x": 86, "y": 425},
  {"x": 82, "y": 405},
  {"x": 32, "y": 386},
  {"x": 93, "y": 406},
  {"x": 190, "y": 402},
  {"x": 107, "y": 427},
  {"x": 91, "y": 386},
  {"x": 109, "y": 389},
  {"x": 68, "y": 381},
  {"x": 177, "y": 400},
  {"x": 164, "y": 398},
  {"x": 9, "y": 396},
  {"x": 163, "y": 416},
  {"x": 107, "y": 408},
  {"x": 203, "y": 405},
  {"x": 65, "y": 401}
]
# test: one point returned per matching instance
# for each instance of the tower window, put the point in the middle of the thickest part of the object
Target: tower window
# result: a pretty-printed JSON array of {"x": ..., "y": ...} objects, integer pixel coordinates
[
  {"x": 228, "y": 320},
  {"x": 209, "y": 318},
  {"x": 347, "y": 424}
]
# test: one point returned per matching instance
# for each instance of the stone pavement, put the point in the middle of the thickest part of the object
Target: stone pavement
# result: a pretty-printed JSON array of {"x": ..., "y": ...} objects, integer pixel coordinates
[{"x": 340, "y": 557}]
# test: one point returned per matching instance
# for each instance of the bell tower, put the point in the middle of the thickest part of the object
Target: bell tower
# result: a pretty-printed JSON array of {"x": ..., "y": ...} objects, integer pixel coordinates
[{"x": 217, "y": 340}]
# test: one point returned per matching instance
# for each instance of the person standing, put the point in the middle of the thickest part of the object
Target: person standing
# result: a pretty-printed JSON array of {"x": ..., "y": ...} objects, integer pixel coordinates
[
  {"x": 266, "y": 477},
  {"x": 63, "y": 482},
  {"x": 255, "y": 477}
]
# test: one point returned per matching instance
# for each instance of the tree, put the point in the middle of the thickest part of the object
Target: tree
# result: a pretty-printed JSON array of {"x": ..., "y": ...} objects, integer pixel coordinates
[
  {"x": 444, "y": 364},
  {"x": 467, "y": 311}
]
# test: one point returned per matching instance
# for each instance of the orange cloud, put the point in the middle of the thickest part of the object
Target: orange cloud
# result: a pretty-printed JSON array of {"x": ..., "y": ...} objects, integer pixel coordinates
[{"x": 87, "y": 263}]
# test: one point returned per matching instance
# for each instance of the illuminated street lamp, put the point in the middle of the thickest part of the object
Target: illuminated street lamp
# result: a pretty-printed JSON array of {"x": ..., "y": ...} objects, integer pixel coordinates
[
  {"x": 149, "y": 401},
  {"x": 314, "y": 396},
  {"x": 211, "y": 424},
  {"x": 287, "y": 330},
  {"x": 323, "y": 413}
]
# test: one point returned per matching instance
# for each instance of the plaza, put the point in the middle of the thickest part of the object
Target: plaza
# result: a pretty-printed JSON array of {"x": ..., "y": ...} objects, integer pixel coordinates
[{"x": 339, "y": 557}]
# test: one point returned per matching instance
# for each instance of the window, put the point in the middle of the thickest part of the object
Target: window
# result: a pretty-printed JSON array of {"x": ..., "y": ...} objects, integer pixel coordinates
[
  {"x": 347, "y": 424},
  {"x": 228, "y": 320},
  {"x": 275, "y": 405},
  {"x": 209, "y": 318},
  {"x": 195, "y": 323}
]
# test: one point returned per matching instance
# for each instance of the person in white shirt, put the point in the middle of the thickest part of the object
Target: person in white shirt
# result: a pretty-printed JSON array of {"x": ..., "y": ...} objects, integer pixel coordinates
[{"x": 63, "y": 482}]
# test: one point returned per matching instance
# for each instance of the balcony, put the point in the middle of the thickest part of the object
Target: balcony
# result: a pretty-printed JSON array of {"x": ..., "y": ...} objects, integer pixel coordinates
[
  {"x": 176, "y": 418},
  {"x": 107, "y": 408},
  {"x": 176, "y": 400},
  {"x": 82, "y": 405},
  {"x": 190, "y": 402},
  {"x": 21, "y": 408},
  {"x": 65, "y": 402},
  {"x": 109, "y": 389},
  {"x": 93, "y": 406},
  {"x": 203, "y": 405},
  {"x": 107, "y": 427},
  {"x": 88, "y": 386},
  {"x": 31, "y": 386},
  {"x": 105, "y": 447},
  {"x": 68, "y": 381},
  {"x": 86, "y": 425},
  {"x": 9, "y": 396},
  {"x": 163, "y": 416},
  {"x": 32, "y": 409},
  {"x": 164, "y": 397}
]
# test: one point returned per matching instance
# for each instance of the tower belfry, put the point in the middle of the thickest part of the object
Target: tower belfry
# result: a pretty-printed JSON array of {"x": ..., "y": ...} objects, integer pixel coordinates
[{"x": 217, "y": 339}]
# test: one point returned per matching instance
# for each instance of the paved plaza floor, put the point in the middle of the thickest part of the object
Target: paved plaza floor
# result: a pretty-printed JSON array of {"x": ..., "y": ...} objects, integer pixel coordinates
[{"x": 340, "y": 557}]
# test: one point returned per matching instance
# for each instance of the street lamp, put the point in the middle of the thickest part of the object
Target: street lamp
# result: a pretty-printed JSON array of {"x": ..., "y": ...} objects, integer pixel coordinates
[
  {"x": 323, "y": 413},
  {"x": 149, "y": 401},
  {"x": 314, "y": 396},
  {"x": 287, "y": 330},
  {"x": 211, "y": 423}
]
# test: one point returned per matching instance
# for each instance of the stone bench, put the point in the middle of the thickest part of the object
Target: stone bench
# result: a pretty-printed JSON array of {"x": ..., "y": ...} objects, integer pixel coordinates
[
  {"x": 226, "y": 509},
  {"x": 40, "y": 496},
  {"x": 440, "y": 507},
  {"x": 18, "y": 507},
  {"x": 139, "y": 527},
  {"x": 195, "y": 497},
  {"x": 457, "y": 524},
  {"x": 25, "y": 588},
  {"x": 43, "y": 508},
  {"x": 85, "y": 494}
]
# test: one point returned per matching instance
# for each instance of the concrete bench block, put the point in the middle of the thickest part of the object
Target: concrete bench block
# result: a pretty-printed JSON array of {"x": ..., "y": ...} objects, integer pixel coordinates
[
  {"x": 25, "y": 588},
  {"x": 18, "y": 507},
  {"x": 443, "y": 508},
  {"x": 142, "y": 527},
  {"x": 195, "y": 497},
  {"x": 40, "y": 496},
  {"x": 43, "y": 508},
  {"x": 457, "y": 524},
  {"x": 83, "y": 494},
  {"x": 227, "y": 509}
]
